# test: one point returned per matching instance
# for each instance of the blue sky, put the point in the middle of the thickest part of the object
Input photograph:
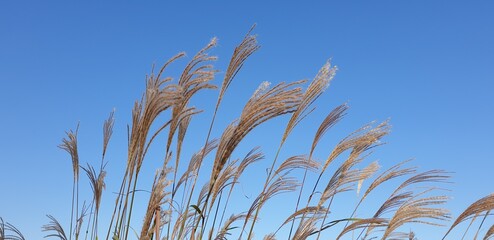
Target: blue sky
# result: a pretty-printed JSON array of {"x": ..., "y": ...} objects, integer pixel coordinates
[{"x": 425, "y": 65}]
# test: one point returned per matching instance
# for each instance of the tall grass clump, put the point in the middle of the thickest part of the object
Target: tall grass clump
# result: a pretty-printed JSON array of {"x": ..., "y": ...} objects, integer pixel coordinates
[{"x": 197, "y": 201}]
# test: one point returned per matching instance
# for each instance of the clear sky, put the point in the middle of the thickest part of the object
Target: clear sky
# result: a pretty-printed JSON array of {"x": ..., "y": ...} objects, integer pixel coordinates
[{"x": 425, "y": 65}]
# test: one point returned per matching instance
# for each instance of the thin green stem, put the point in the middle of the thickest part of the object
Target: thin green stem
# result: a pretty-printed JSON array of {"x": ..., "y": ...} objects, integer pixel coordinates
[
  {"x": 261, "y": 201},
  {"x": 77, "y": 208},
  {"x": 118, "y": 204},
  {"x": 300, "y": 193},
  {"x": 131, "y": 205},
  {"x": 72, "y": 212}
]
